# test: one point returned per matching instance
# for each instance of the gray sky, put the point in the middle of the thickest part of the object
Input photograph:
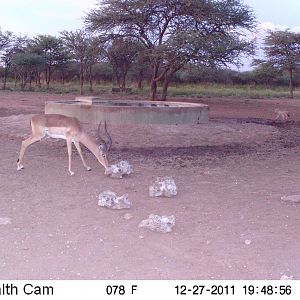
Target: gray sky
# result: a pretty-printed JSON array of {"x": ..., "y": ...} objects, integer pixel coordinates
[
  {"x": 34, "y": 17},
  {"x": 51, "y": 16},
  {"x": 272, "y": 14},
  {"x": 277, "y": 13}
]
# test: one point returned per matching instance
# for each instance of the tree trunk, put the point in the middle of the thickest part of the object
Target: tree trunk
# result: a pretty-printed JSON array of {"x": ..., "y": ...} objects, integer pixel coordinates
[
  {"x": 62, "y": 78},
  {"x": 291, "y": 84},
  {"x": 30, "y": 82},
  {"x": 140, "y": 83},
  {"x": 166, "y": 81},
  {"x": 90, "y": 79},
  {"x": 153, "y": 90},
  {"x": 118, "y": 80},
  {"x": 5, "y": 78},
  {"x": 123, "y": 87},
  {"x": 140, "y": 80},
  {"x": 47, "y": 77},
  {"x": 81, "y": 79},
  {"x": 154, "y": 82},
  {"x": 165, "y": 87},
  {"x": 38, "y": 80},
  {"x": 16, "y": 80},
  {"x": 4, "y": 84}
]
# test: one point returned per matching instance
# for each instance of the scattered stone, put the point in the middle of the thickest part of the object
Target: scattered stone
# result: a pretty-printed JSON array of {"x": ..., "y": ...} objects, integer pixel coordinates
[
  {"x": 128, "y": 216},
  {"x": 248, "y": 242},
  {"x": 5, "y": 220},
  {"x": 119, "y": 170},
  {"x": 109, "y": 199},
  {"x": 159, "y": 223},
  {"x": 292, "y": 198},
  {"x": 285, "y": 277},
  {"x": 163, "y": 186}
]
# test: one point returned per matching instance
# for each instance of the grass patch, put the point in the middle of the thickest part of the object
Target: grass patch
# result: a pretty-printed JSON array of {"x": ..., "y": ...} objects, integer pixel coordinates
[
  {"x": 180, "y": 90},
  {"x": 236, "y": 91}
]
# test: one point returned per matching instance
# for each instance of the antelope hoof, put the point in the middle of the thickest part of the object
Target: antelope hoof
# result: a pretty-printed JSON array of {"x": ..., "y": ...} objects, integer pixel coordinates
[
  {"x": 20, "y": 167},
  {"x": 72, "y": 173}
]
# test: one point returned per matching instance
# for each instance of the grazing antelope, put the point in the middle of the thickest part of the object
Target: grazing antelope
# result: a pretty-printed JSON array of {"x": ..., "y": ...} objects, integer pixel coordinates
[
  {"x": 69, "y": 129},
  {"x": 283, "y": 114}
]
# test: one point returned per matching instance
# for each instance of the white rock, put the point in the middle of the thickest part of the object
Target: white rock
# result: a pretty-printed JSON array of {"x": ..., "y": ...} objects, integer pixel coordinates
[
  {"x": 292, "y": 198},
  {"x": 163, "y": 186},
  {"x": 119, "y": 170},
  {"x": 5, "y": 220},
  {"x": 285, "y": 277},
  {"x": 111, "y": 200},
  {"x": 128, "y": 216},
  {"x": 158, "y": 223}
]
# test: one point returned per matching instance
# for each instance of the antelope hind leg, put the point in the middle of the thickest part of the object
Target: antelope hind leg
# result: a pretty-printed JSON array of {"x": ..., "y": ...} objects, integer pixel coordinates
[{"x": 24, "y": 145}]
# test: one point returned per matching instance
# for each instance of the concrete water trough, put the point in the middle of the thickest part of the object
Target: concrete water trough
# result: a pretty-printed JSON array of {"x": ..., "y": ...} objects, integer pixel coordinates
[{"x": 94, "y": 110}]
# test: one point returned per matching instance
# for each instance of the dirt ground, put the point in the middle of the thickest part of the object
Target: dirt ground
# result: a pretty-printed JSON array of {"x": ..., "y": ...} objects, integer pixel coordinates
[{"x": 230, "y": 220}]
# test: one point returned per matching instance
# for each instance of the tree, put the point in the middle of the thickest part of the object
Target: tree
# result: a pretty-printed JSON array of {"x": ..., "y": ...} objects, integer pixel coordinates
[
  {"x": 83, "y": 49},
  {"x": 177, "y": 32},
  {"x": 27, "y": 65},
  {"x": 50, "y": 47},
  {"x": 121, "y": 54},
  {"x": 5, "y": 39},
  {"x": 282, "y": 51},
  {"x": 264, "y": 72},
  {"x": 16, "y": 44},
  {"x": 141, "y": 66},
  {"x": 94, "y": 53}
]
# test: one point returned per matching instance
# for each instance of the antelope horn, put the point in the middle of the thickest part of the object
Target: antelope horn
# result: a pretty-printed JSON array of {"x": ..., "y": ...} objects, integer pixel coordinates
[
  {"x": 99, "y": 138},
  {"x": 109, "y": 142}
]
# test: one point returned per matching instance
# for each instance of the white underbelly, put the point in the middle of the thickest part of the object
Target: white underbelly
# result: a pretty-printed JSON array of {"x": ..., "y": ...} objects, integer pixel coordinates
[{"x": 54, "y": 135}]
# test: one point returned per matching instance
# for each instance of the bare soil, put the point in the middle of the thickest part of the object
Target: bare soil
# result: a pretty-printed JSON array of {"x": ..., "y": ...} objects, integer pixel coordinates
[{"x": 230, "y": 220}]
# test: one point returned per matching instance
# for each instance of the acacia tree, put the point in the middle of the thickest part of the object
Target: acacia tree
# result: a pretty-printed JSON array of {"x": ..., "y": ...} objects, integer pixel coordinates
[
  {"x": 83, "y": 49},
  {"x": 121, "y": 54},
  {"x": 282, "y": 51},
  {"x": 94, "y": 54},
  {"x": 140, "y": 66},
  {"x": 5, "y": 39},
  {"x": 17, "y": 45},
  {"x": 50, "y": 47},
  {"x": 27, "y": 65},
  {"x": 176, "y": 32}
]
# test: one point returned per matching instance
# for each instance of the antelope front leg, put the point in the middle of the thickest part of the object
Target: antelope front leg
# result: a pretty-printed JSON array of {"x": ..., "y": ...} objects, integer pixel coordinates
[
  {"x": 77, "y": 145},
  {"x": 69, "y": 146}
]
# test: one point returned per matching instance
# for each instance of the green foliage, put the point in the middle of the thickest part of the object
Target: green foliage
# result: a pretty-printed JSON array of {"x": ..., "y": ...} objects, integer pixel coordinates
[
  {"x": 282, "y": 51},
  {"x": 26, "y": 65},
  {"x": 5, "y": 38},
  {"x": 50, "y": 48},
  {"x": 177, "y": 32},
  {"x": 122, "y": 52},
  {"x": 84, "y": 49},
  {"x": 246, "y": 91}
]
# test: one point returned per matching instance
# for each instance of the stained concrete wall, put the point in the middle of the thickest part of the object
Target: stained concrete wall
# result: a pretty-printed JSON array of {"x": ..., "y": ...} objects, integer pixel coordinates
[{"x": 94, "y": 110}]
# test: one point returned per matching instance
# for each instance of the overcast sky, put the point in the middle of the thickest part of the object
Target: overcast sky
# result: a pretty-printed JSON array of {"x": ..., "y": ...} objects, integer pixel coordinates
[
  {"x": 281, "y": 14},
  {"x": 51, "y": 16},
  {"x": 34, "y": 17}
]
